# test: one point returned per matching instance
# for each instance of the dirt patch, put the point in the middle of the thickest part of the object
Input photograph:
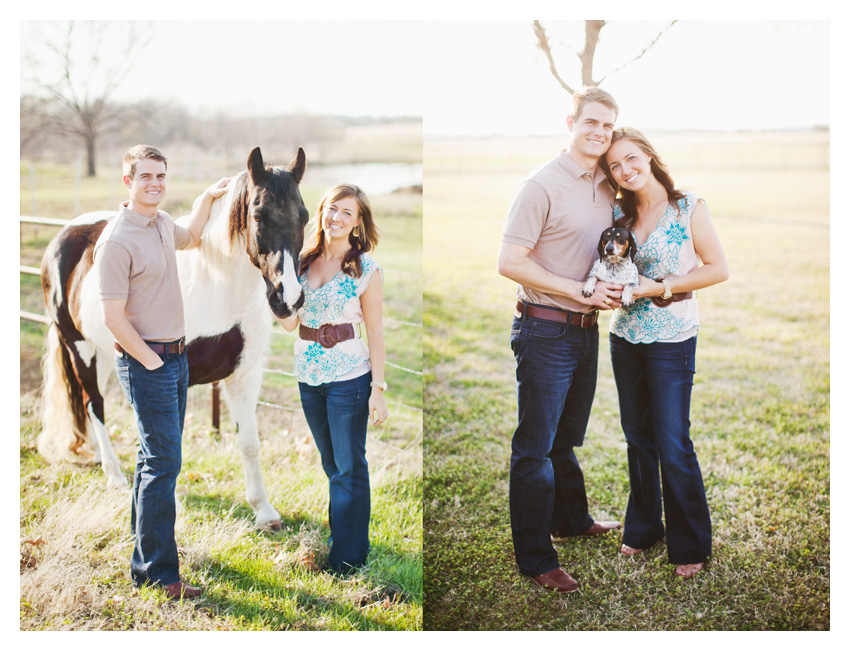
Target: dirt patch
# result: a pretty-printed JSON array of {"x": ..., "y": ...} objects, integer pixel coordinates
[{"x": 30, "y": 368}]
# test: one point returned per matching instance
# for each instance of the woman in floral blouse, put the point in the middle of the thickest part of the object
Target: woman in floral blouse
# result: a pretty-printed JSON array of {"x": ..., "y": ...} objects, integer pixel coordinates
[
  {"x": 341, "y": 380},
  {"x": 653, "y": 347}
]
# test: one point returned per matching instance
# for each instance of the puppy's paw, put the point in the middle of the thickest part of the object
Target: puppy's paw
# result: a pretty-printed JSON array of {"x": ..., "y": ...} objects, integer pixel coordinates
[{"x": 586, "y": 293}]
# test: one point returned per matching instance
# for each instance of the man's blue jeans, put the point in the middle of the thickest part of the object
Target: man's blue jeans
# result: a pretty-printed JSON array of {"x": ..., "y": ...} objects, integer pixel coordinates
[
  {"x": 159, "y": 400},
  {"x": 654, "y": 383},
  {"x": 556, "y": 380},
  {"x": 338, "y": 415}
]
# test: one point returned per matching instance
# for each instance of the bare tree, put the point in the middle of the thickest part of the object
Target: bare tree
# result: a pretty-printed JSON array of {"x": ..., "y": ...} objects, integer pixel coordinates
[
  {"x": 592, "y": 28},
  {"x": 79, "y": 66},
  {"x": 35, "y": 119}
]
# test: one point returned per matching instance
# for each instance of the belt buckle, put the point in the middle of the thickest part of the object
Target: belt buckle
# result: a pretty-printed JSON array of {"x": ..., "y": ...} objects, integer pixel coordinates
[
  {"x": 181, "y": 345},
  {"x": 326, "y": 335},
  {"x": 586, "y": 314}
]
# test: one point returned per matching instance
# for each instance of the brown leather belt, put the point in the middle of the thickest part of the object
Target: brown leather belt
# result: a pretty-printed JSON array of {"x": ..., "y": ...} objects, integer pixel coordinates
[
  {"x": 327, "y": 335},
  {"x": 664, "y": 302},
  {"x": 582, "y": 320},
  {"x": 173, "y": 348}
]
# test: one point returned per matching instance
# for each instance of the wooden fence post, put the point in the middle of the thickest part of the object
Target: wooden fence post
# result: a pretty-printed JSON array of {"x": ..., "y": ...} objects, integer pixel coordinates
[
  {"x": 78, "y": 182},
  {"x": 215, "y": 403}
]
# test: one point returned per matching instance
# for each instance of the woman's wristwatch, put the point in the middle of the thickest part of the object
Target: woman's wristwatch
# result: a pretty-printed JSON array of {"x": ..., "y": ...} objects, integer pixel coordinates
[
  {"x": 382, "y": 385},
  {"x": 667, "y": 293}
]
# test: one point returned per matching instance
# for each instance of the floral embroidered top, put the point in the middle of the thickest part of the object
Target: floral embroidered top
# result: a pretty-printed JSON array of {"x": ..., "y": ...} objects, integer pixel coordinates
[
  {"x": 668, "y": 251},
  {"x": 337, "y": 301}
]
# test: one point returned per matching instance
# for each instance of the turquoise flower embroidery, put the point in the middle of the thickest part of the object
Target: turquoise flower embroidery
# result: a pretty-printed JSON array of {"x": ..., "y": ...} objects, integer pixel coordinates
[
  {"x": 314, "y": 352},
  {"x": 676, "y": 234},
  {"x": 657, "y": 256},
  {"x": 348, "y": 288},
  {"x": 313, "y": 363}
]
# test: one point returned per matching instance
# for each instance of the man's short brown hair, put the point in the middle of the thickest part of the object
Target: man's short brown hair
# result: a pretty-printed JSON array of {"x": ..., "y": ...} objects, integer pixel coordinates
[
  {"x": 592, "y": 94},
  {"x": 141, "y": 152}
]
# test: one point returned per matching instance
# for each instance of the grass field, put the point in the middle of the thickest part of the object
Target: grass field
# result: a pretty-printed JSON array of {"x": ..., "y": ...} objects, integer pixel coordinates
[
  {"x": 760, "y": 411},
  {"x": 75, "y": 540}
]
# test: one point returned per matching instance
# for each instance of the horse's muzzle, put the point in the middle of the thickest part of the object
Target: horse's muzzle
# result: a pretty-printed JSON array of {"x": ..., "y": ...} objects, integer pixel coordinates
[{"x": 279, "y": 306}]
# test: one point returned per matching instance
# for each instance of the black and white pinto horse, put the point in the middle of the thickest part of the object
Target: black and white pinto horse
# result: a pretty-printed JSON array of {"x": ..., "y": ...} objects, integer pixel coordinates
[{"x": 247, "y": 263}]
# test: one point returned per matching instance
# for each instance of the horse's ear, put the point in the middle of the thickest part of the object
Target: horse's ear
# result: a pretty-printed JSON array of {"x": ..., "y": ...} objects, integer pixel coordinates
[
  {"x": 296, "y": 167},
  {"x": 256, "y": 167}
]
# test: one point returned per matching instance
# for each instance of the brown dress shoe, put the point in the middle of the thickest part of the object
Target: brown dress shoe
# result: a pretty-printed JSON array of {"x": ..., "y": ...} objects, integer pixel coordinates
[
  {"x": 556, "y": 581},
  {"x": 181, "y": 590}
]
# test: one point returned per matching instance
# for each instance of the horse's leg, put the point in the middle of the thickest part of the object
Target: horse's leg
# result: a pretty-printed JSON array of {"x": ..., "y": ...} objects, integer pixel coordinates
[
  {"x": 95, "y": 408},
  {"x": 242, "y": 393}
]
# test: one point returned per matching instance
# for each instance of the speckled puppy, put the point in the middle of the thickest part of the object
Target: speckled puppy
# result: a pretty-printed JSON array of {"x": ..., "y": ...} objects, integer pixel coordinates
[{"x": 616, "y": 264}]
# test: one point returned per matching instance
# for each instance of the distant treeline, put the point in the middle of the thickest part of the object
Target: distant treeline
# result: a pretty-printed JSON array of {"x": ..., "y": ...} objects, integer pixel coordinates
[{"x": 45, "y": 136}]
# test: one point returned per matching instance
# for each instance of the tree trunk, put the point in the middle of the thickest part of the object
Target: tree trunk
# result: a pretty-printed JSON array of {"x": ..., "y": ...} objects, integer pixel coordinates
[
  {"x": 591, "y": 39},
  {"x": 90, "y": 155}
]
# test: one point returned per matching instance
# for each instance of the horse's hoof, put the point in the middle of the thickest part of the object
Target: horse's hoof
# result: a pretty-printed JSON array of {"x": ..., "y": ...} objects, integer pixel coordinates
[
  {"x": 119, "y": 482},
  {"x": 266, "y": 517}
]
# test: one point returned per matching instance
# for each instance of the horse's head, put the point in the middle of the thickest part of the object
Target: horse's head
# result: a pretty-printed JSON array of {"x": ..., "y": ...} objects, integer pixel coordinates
[{"x": 271, "y": 216}]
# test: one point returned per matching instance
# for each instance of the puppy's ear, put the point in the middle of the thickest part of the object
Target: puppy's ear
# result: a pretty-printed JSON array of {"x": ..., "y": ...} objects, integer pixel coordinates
[
  {"x": 632, "y": 247},
  {"x": 602, "y": 242}
]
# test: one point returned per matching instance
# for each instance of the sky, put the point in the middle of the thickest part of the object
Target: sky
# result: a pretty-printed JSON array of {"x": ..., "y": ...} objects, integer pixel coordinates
[
  {"x": 273, "y": 67},
  {"x": 474, "y": 77},
  {"x": 724, "y": 75}
]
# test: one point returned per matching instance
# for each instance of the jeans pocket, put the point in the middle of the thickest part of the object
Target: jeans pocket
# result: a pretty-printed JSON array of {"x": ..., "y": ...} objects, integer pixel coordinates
[
  {"x": 543, "y": 329},
  {"x": 516, "y": 332},
  {"x": 122, "y": 371}
]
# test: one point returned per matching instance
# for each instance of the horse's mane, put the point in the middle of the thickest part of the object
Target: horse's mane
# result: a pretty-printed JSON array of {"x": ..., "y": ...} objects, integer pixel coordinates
[{"x": 217, "y": 233}]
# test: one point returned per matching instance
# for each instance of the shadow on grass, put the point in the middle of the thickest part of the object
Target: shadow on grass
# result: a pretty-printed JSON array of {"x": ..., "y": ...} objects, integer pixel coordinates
[
  {"x": 271, "y": 604},
  {"x": 384, "y": 563}
]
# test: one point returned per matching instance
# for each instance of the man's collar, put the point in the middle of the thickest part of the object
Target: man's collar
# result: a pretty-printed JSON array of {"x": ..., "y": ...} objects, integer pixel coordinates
[
  {"x": 575, "y": 170},
  {"x": 135, "y": 218}
]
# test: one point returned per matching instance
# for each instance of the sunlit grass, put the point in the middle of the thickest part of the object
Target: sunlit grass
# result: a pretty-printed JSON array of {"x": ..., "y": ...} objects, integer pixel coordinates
[
  {"x": 760, "y": 420},
  {"x": 78, "y": 531}
]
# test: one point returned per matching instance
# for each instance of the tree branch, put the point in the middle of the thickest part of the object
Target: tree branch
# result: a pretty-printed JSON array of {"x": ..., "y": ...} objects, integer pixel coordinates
[
  {"x": 644, "y": 51},
  {"x": 543, "y": 44}
]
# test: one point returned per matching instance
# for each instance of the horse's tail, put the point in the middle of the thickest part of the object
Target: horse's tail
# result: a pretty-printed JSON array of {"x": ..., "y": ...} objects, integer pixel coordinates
[{"x": 63, "y": 406}]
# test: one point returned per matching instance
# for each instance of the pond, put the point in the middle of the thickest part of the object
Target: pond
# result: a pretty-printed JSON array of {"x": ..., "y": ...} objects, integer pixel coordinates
[{"x": 373, "y": 178}]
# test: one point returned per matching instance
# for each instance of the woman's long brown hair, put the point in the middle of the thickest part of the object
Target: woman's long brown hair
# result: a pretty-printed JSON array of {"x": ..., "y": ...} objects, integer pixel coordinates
[
  {"x": 365, "y": 241},
  {"x": 659, "y": 171}
]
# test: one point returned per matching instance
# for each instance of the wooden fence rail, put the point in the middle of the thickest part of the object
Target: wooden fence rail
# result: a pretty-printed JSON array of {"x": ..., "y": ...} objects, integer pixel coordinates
[{"x": 215, "y": 398}]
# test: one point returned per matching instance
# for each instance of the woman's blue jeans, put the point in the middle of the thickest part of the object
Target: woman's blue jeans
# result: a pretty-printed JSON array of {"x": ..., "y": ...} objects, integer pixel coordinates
[
  {"x": 159, "y": 400},
  {"x": 654, "y": 383},
  {"x": 338, "y": 415},
  {"x": 556, "y": 380}
]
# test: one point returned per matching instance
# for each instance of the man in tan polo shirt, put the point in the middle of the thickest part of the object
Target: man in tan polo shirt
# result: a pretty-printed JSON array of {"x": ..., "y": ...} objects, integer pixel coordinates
[
  {"x": 143, "y": 309},
  {"x": 548, "y": 246}
]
